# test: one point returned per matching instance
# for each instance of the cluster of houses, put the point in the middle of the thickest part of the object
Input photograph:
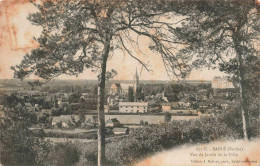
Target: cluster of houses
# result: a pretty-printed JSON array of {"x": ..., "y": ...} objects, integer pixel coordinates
[
  {"x": 68, "y": 121},
  {"x": 204, "y": 101}
]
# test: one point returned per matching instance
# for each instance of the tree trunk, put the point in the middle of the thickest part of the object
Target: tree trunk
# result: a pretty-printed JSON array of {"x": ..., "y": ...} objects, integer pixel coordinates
[
  {"x": 101, "y": 98},
  {"x": 243, "y": 107},
  {"x": 242, "y": 93}
]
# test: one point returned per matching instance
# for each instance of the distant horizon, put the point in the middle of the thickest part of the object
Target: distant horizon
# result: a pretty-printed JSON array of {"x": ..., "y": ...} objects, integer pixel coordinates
[{"x": 81, "y": 79}]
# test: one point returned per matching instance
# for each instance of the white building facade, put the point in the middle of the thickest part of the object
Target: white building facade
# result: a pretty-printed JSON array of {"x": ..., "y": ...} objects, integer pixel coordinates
[{"x": 133, "y": 107}]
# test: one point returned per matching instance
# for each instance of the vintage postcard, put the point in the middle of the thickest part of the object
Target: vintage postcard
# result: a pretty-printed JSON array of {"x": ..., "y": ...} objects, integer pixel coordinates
[{"x": 129, "y": 82}]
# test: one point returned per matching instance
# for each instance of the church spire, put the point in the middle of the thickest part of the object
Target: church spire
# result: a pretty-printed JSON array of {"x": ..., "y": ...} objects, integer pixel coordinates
[
  {"x": 136, "y": 77},
  {"x": 136, "y": 81}
]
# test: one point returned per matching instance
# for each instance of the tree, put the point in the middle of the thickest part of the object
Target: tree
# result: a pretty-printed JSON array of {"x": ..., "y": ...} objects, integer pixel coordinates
[
  {"x": 223, "y": 34},
  {"x": 66, "y": 154},
  {"x": 82, "y": 118},
  {"x": 84, "y": 34},
  {"x": 110, "y": 75},
  {"x": 34, "y": 84},
  {"x": 139, "y": 94},
  {"x": 19, "y": 146},
  {"x": 130, "y": 94},
  {"x": 167, "y": 117}
]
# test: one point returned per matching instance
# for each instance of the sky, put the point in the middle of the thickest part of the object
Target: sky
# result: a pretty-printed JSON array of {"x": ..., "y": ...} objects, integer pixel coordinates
[{"x": 16, "y": 39}]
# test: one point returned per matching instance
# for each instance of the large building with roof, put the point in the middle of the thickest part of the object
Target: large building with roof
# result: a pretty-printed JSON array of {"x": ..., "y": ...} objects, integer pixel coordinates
[
  {"x": 133, "y": 107},
  {"x": 221, "y": 83},
  {"x": 222, "y": 87},
  {"x": 119, "y": 88},
  {"x": 122, "y": 89}
]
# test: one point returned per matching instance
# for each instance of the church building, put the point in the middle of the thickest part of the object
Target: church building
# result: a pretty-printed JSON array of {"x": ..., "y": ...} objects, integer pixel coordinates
[{"x": 122, "y": 89}]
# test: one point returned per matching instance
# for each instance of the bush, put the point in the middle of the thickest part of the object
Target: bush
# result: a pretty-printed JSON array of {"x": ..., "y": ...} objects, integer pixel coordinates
[
  {"x": 142, "y": 143},
  {"x": 64, "y": 154},
  {"x": 19, "y": 145},
  {"x": 87, "y": 135},
  {"x": 195, "y": 135},
  {"x": 146, "y": 141},
  {"x": 167, "y": 117}
]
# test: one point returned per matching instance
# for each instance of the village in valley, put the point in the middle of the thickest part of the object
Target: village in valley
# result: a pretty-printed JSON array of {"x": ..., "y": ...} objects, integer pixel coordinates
[
  {"x": 68, "y": 109},
  {"x": 129, "y": 82}
]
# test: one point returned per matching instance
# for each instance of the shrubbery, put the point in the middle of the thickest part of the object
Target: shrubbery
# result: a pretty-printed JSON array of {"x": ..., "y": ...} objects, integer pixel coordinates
[
  {"x": 145, "y": 141},
  {"x": 19, "y": 145},
  {"x": 64, "y": 154},
  {"x": 88, "y": 135}
]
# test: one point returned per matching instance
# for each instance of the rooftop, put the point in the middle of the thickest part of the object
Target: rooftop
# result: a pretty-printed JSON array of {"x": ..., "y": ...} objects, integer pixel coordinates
[{"x": 133, "y": 103}]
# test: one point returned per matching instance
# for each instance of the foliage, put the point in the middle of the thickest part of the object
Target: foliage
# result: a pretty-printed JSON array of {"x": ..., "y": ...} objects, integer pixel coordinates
[
  {"x": 73, "y": 41},
  {"x": 19, "y": 146},
  {"x": 232, "y": 118},
  {"x": 82, "y": 118},
  {"x": 150, "y": 139},
  {"x": 167, "y": 117},
  {"x": 130, "y": 94},
  {"x": 139, "y": 94},
  {"x": 10, "y": 101},
  {"x": 64, "y": 154},
  {"x": 222, "y": 34}
]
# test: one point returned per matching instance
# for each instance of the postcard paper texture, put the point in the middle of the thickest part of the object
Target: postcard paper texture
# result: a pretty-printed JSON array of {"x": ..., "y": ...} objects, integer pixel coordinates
[{"x": 129, "y": 82}]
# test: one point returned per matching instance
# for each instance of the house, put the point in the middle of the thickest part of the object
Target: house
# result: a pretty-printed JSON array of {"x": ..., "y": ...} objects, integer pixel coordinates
[
  {"x": 222, "y": 87},
  {"x": 115, "y": 88},
  {"x": 125, "y": 88},
  {"x": 133, "y": 107},
  {"x": 113, "y": 123},
  {"x": 118, "y": 88},
  {"x": 119, "y": 131},
  {"x": 65, "y": 120},
  {"x": 184, "y": 103},
  {"x": 221, "y": 83},
  {"x": 111, "y": 100},
  {"x": 84, "y": 95},
  {"x": 106, "y": 108},
  {"x": 62, "y": 101},
  {"x": 166, "y": 107}
]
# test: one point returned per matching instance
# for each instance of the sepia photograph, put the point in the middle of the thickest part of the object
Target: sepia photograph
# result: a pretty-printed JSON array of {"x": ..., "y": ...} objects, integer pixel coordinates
[{"x": 129, "y": 82}]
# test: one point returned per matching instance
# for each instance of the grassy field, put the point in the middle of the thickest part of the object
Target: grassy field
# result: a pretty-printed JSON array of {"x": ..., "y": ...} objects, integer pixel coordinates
[{"x": 71, "y": 133}]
